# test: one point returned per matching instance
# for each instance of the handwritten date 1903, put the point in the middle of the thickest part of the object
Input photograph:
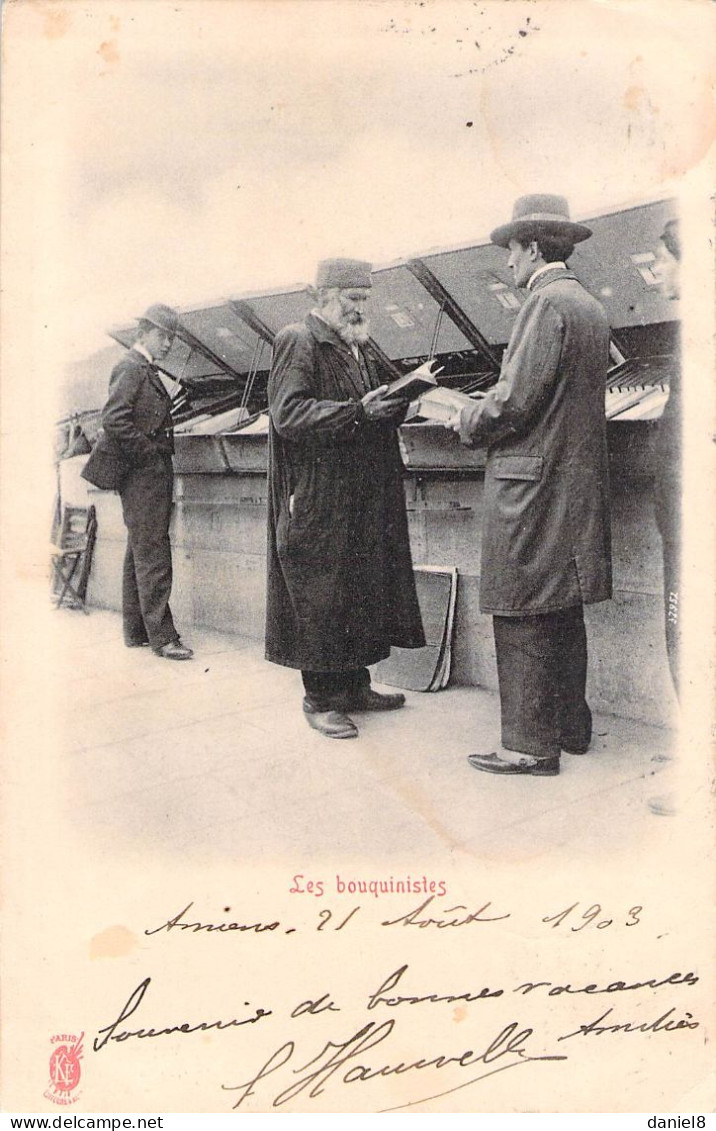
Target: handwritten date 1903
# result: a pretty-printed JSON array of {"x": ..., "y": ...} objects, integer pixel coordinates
[{"x": 590, "y": 917}]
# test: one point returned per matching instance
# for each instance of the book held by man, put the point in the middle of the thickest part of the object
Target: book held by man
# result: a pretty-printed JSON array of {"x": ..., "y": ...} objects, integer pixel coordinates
[
  {"x": 441, "y": 405},
  {"x": 411, "y": 385}
]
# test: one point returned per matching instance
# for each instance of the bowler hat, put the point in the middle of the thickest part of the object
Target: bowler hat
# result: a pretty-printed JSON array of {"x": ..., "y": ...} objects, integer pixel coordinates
[
  {"x": 540, "y": 214},
  {"x": 165, "y": 317},
  {"x": 343, "y": 273}
]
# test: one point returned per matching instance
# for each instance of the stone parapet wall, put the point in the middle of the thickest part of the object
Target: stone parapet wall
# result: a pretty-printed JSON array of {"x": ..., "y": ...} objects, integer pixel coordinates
[{"x": 219, "y": 538}]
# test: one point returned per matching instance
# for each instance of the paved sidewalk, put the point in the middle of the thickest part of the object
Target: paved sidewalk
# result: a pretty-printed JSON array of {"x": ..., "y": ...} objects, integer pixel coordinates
[{"x": 212, "y": 759}]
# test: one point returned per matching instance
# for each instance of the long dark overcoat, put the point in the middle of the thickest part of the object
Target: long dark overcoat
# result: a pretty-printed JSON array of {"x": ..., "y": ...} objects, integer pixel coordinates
[
  {"x": 340, "y": 586},
  {"x": 546, "y": 541}
]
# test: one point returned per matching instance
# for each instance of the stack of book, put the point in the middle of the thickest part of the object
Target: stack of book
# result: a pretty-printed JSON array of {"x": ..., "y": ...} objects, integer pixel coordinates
[
  {"x": 208, "y": 425},
  {"x": 428, "y": 668},
  {"x": 440, "y": 405}
]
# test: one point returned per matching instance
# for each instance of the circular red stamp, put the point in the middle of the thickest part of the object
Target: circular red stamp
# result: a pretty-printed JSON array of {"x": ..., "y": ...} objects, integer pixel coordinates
[{"x": 65, "y": 1068}]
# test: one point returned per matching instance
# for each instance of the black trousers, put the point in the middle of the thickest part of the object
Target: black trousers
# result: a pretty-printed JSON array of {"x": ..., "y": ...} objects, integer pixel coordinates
[
  {"x": 542, "y": 673},
  {"x": 146, "y": 498},
  {"x": 327, "y": 690}
]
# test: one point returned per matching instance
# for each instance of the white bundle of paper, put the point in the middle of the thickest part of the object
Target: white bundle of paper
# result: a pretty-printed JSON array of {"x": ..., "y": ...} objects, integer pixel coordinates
[
  {"x": 259, "y": 426},
  {"x": 220, "y": 422},
  {"x": 442, "y": 404},
  {"x": 189, "y": 425}
]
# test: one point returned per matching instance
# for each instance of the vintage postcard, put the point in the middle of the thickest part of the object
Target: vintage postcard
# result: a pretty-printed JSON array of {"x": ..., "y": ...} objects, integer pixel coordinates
[{"x": 210, "y": 904}]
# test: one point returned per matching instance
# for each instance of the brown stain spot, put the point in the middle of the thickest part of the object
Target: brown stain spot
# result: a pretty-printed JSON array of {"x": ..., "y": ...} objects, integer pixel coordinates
[
  {"x": 56, "y": 23},
  {"x": 115, "y": 23},
  {"x": 114, "y": 942},
  {"x": 459, "y": 1013},
  {"x": 633, "y": 97},
  {"x": 498, "y": 142},
  {"x": 109, "y": 51},
  {"x": 692, "y": 145}
]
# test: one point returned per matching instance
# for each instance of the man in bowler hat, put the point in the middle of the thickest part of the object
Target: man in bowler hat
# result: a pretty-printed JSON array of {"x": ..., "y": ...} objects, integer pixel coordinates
[
  {"x": 134, "y": 456},
  {"x": 546, "y": 549},
  {"x": 340, "y": 586}
]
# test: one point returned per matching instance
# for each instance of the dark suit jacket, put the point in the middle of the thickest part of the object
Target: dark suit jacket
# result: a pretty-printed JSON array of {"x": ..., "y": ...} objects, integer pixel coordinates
[{"x": 136, "y": 423}]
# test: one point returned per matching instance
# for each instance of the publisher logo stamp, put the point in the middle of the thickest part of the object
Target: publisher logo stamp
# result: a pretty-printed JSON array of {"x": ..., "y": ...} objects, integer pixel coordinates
[{"x": 65, "y": 1068}]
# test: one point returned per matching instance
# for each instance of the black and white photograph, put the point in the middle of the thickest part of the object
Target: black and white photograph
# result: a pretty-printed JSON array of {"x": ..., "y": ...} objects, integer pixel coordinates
[{"x": 357, "y": 450}]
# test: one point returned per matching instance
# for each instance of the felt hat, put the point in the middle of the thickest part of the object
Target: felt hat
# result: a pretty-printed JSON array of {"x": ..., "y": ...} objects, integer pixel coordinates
[
  {"x": 543, "y": 214},
  {"x": 165, "y": 317},
  {"x": 343, "y": 273}
]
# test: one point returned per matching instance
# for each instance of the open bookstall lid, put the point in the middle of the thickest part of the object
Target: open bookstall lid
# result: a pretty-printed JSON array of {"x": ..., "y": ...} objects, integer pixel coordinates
[
  {"x": 182, "y": 363},
  {"x": 409, "y": 324},
  {"x": 405, "y": 319},
  {"x": 228, "y": 337},
  {"x": 615, "y": 265}
]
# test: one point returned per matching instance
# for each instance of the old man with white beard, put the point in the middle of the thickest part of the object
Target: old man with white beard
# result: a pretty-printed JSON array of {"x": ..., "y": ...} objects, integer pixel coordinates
[{"x": 340, "y": 587}]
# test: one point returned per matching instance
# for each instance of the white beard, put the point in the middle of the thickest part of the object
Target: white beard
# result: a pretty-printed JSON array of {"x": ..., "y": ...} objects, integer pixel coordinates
[
  {"x": 349, "y": 332},
  {"x": 354, "y": 332}
]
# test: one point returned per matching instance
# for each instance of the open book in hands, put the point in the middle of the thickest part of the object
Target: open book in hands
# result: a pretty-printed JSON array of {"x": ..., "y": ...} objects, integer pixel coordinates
[{"x": 411, "y": 385}]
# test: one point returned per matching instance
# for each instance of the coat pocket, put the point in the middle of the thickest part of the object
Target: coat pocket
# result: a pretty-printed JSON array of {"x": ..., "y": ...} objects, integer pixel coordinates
[
  {"x": 316, "y": 512},
  {"x": 105, "y": 468},
  {"x": 517, "y": 467}
]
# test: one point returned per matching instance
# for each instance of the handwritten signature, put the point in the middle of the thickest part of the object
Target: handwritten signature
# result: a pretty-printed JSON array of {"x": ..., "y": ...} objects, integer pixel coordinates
[{"x": 337, "y": 1060}]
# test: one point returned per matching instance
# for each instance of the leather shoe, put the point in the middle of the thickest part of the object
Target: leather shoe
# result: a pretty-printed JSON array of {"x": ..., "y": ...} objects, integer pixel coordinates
[
  {"x": 136, "y": 643},
  {"x": 333, "y": 724},
  {"x": 525, "y": 764},
  {"x": 369, "y": 700},
  {"x": 174, "y": 650}
]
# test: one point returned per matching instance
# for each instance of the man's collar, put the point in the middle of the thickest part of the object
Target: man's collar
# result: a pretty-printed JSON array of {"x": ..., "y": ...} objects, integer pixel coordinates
[
  {"x": 144, "y": 352},
  {"x": 321, "y": 328},
  {"x": 154, "y": 375},
  {"x": 557, "y": 265}
]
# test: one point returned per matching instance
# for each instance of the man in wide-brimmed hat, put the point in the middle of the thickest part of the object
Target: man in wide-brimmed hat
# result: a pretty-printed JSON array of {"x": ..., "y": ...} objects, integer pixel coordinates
[
  {"x": 340, "y": 588},
  {"x": 546, "y": 534},
  {"x": 133, "y": 455}
]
